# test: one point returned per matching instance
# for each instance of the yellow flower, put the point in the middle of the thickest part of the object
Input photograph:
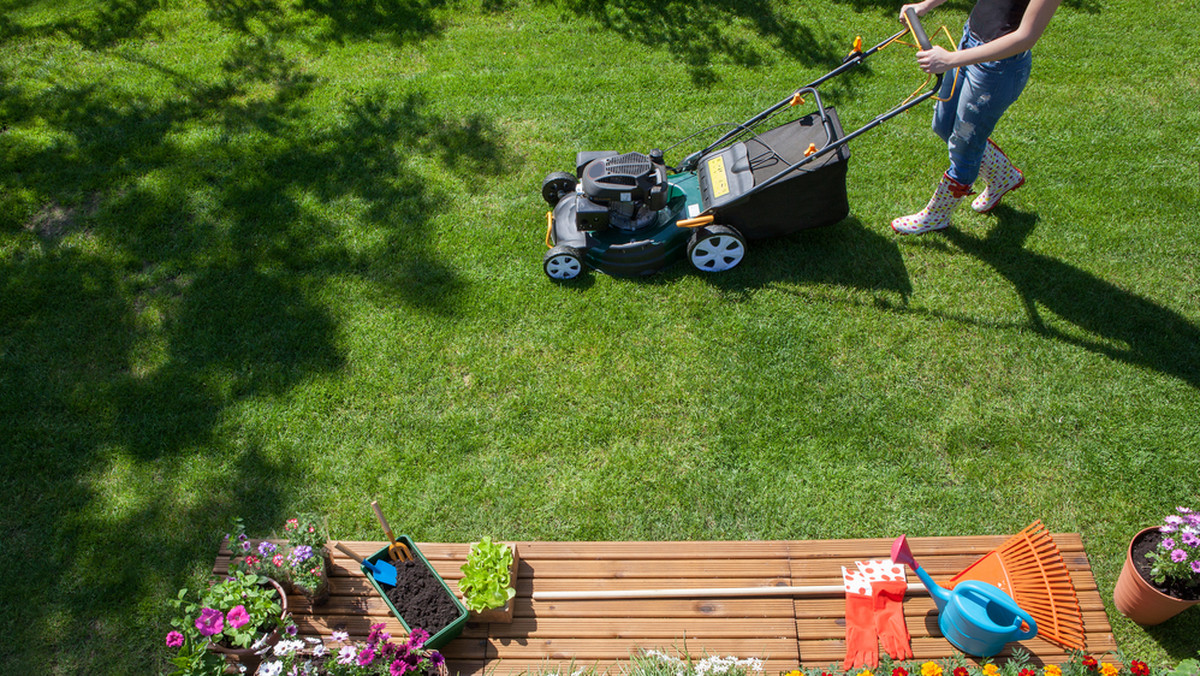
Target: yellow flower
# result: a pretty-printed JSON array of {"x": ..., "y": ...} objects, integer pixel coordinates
[
  {"x": 865, "y": 672},
  {"x": 1107, "y": 669},
  {"x": 1052, "y": 670},
  {"x": 992, "y": 670},
  {"x": 932, "y": 669},
  {"x": 796, "y": 672}
]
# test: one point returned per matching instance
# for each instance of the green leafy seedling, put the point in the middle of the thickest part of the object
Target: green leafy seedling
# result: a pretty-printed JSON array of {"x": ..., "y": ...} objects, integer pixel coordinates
[{"x": 486, "y": 581}]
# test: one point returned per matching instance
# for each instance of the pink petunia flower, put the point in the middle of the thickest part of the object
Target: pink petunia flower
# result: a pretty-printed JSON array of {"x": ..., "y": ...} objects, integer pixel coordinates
[
  {"x": 1196, "y": 566},
  {"x": 238, "y": 617},
  {"x": 347, "y": 654},
  {"x": 398, "y": 668},
  {"x": 211, "y": 622},
  {"x": 1179, "y": 556},
  {"x": 174, "y": 639},
  {"x": 1168, "y": 543}
]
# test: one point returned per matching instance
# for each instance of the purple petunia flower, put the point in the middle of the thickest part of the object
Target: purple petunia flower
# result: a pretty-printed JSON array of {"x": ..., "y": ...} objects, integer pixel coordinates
[
  {"x": 266, "y": 548},
  {"x": 398, "y": 668},
  {"x": 1196, "y": 566},
  {"x": 174, "y": 639},
  {"x": 292, "y": 630},
  {"x": 1190, "y": 539},
  {"x": 301, "y": 554},
  {"x": 1168, "y": 543},
  {"x": 211, "y": 622},
  {"x": 436, "y": 658},
  {"x": 1179, "y": 556}
]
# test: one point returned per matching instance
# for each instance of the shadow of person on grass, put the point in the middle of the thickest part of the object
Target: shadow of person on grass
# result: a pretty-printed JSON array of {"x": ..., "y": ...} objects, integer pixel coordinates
[{"x": 1126, "y": 326}]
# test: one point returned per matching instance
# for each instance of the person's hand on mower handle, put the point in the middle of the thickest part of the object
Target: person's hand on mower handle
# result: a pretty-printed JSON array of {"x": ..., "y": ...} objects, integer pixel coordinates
[{"x": 935, "y": 60}]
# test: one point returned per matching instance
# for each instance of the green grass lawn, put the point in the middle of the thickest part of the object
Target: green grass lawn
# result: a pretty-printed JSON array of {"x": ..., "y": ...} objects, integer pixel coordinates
[{"x": 265, "y": 256}]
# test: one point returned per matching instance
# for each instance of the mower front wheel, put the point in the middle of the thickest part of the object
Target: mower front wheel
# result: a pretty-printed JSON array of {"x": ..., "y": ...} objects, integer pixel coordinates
[
  {"x": 562, "y": 263},
  {"x": 716, "y": 248},
  {"x": 556, "y": 185}
]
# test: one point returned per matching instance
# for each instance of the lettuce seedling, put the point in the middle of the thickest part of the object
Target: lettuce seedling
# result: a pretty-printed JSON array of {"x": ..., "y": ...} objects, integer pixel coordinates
[{"x": 486, "y": 582}]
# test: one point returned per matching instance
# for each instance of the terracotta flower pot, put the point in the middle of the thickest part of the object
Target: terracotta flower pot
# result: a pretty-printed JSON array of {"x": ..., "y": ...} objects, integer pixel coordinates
[
  {"x": 252, "y": 657},
  {"x": 1137, "y": 599}
]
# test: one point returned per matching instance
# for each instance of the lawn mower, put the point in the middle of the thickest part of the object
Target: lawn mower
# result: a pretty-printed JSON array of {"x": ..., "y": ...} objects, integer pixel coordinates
[{"x": 630, "y": 214}]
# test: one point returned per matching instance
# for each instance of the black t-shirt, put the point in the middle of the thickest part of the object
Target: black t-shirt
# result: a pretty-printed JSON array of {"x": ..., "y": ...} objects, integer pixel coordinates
[{"x": 991, "y": 19}]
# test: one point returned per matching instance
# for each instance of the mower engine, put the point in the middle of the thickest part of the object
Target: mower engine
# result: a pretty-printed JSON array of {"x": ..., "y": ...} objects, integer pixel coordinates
[{"x": 620, "y": 191}]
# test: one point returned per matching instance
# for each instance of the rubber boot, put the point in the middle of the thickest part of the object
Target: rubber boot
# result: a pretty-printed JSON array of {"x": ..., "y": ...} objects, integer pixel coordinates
[
  {"x": 1001, "y": 177},
  {"x": 936, "y": 214}
]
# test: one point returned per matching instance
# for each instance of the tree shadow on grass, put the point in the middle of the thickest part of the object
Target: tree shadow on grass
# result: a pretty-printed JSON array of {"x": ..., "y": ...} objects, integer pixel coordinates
[
  {"x": 701, "y": 34},
  {"x": 165, "y": 259},
  {"x": 1102, "y": 317}
]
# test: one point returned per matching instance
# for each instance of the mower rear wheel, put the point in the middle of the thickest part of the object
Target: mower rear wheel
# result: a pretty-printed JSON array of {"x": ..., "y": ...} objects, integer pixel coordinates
[
  {"x": 562, "y": 263},
  {"x": 556, "y": 185},
  {"x": 716, "y": 248}
]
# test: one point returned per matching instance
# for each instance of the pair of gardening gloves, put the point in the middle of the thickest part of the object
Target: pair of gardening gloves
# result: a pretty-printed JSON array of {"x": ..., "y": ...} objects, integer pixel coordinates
[{"x": 875, "y": 613}]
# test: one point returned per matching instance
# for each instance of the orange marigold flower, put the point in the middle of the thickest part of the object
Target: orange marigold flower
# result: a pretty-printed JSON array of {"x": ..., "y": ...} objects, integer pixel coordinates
[
  {"x": 1139, "y": 668},
  {"x": 1090, "y": 662},
  {"x": 1052, "y": 670},
  {"x": 1109, "y": 669},
  {"x": 931, "y": 669},
  {"x": 990, "y": 670}
]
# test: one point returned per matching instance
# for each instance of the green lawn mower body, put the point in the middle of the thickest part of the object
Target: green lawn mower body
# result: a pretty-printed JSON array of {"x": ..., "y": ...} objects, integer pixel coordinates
[{"x": 631, "y": 214}]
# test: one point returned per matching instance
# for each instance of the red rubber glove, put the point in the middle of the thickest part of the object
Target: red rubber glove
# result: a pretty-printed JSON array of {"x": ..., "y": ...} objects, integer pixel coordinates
[
  {"x": 862, "y": 649},
  {"x": 888, "y": 603}
]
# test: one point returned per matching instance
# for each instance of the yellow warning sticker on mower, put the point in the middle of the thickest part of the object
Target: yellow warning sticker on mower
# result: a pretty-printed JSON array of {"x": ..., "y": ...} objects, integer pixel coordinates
[{"x": 716, "y": 175}]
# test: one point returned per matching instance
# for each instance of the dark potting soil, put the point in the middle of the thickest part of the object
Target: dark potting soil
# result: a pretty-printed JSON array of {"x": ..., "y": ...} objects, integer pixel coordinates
[
  {"x": 1147, "y": 543},
  {"x": 420, "y": 598}
]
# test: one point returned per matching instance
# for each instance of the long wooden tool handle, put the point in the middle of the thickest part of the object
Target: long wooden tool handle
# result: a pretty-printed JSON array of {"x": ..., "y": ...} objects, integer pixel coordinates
[
  {"x": 826, "y": 590},
  {"x": 387, "y": 530},
  {"x": 342, "y": 548}
]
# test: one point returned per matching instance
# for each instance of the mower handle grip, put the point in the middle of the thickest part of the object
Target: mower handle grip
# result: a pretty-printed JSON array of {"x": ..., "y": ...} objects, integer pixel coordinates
[{"x": 918, "y": 31}]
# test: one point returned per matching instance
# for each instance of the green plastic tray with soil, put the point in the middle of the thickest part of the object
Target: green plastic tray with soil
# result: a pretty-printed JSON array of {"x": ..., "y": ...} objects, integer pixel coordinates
[{"x": 423, "y": 594}]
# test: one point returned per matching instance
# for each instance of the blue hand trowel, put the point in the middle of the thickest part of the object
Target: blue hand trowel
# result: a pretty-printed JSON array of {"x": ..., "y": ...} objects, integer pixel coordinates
[{"x": 383, "y": 572}]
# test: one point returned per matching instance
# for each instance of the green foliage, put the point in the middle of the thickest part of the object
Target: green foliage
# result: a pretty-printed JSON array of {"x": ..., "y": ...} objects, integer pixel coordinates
[
  {"x": 260, "y": 601},
  {"x": 487, "y": 578},
  {"x": 1184, "y": 668}
]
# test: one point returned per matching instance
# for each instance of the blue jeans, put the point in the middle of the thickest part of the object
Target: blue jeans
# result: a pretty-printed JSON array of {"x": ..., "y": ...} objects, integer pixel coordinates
[{"x": 983, "y": 92}]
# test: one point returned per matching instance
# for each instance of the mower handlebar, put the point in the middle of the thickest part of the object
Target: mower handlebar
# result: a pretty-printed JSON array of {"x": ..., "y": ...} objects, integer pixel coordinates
[{"x": 918, "y": 31}]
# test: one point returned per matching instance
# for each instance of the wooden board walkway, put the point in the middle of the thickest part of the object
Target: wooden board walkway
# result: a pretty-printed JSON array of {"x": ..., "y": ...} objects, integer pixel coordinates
[{"x": 784, "y": 632}]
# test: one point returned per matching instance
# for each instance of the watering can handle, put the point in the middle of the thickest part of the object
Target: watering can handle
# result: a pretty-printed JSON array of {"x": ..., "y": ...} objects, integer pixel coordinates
[{"x": 988, "y": 593}]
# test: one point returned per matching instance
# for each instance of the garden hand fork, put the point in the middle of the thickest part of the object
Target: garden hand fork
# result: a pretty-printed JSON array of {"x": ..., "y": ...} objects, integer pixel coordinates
[{"x": 397, "y": 551}]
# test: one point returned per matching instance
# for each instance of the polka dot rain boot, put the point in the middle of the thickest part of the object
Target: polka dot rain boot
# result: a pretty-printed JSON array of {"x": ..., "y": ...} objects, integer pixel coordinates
[
  {"x": 1000, "y": 175},
  {"x": 936, "y": 214}
]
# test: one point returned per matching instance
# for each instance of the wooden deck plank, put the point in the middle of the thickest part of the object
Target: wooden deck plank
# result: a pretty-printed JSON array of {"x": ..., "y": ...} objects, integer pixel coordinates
[{"x": 787, "y": 632}]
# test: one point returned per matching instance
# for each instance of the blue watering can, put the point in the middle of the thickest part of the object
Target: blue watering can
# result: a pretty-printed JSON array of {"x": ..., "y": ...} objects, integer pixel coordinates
[{"x": 976, "y": 617}]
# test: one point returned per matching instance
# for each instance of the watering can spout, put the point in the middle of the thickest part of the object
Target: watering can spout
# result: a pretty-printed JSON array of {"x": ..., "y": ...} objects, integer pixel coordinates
[{"x": 902, "y": 554}]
